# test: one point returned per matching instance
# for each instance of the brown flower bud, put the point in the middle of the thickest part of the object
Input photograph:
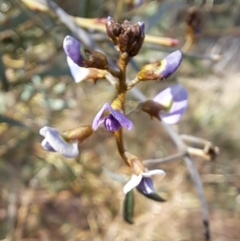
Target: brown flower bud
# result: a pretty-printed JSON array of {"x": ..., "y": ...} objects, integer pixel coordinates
[
  {"x": 113, "y": 30},
  {"x": 126, "y": 37}
]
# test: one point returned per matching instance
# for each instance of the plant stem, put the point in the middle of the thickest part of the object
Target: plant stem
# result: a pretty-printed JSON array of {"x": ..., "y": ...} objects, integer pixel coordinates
[{"x": 120, "y": 101}]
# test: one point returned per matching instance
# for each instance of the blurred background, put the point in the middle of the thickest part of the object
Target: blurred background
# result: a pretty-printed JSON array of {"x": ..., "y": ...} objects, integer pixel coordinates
[{"x": 44, "y": 196}]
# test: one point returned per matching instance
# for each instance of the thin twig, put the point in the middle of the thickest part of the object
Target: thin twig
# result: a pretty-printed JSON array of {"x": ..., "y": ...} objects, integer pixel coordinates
[{"x": 151, "y": 162}]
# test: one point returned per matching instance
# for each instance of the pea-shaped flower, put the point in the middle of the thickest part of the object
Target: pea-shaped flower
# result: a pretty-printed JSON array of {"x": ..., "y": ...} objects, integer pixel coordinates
[
  {"x": 112, "y": 119},
  {"x": 83, "y": 57},
  {"x": 54, "y": 142},
  {"x": 163, "y": 69},
  {"x": 175, "y": 99},
  {"x": 146, "y": 188},
  {"x": 142, "y": 181},
  {"x": 169, "y": 105}
]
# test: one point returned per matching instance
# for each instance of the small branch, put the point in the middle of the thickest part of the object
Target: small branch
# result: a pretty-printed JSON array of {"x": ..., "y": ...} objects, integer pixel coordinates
[
  {"x": 199, "y": 188},
  {"x": 194, "y": 139},
  {"x": 153, "y": 162},
  {"x": 199, "y": 152}
]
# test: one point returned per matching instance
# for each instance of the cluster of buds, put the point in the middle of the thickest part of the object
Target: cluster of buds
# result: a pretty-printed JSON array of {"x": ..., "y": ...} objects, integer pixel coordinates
[
  {"x": 167, "y": 106},
  {"x": 126, "y": 38}
]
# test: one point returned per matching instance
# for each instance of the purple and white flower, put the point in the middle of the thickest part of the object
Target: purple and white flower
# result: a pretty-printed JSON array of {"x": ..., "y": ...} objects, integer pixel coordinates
[
  {"x": 112, "y": 119},
  {"x": 143, "y": 182},
  {"x": 54, "y": 142},
  {"x": 175, "y": 101}
]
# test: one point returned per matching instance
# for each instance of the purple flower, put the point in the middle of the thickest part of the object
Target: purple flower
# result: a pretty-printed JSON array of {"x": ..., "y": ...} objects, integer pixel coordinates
[
  {"x": 175, "y": 101},
  {"x": 170, "y": 64},
  {"x": 113, "y": 119},
  {"x": 142, "y": 182},
  {"x": 73, "y": 50},
  {"x": 54, "y": 142},
  {"x": 146, "y": 188}
]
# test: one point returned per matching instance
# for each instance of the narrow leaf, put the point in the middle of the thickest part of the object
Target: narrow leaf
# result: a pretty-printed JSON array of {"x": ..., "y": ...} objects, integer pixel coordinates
[{"x": 128, "y": 207}]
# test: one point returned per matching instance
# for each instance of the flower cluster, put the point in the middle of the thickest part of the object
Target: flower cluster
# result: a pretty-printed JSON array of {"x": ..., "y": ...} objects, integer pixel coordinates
[{"x": 167, "y": 106}]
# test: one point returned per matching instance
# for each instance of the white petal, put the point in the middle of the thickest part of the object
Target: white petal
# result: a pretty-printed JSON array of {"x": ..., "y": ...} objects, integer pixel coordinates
[
  {"x": 44, "y": 130},
  {"x": 179, "y": 105},
  {"x": 172, "y": 119},
  {"x": 154, "y": 172},
  {"x": 166, "y": 101},
  {"x": 69, "y": 150},
  {"x": 132, "y": 183},
  {"x": 79, "y": 73}
]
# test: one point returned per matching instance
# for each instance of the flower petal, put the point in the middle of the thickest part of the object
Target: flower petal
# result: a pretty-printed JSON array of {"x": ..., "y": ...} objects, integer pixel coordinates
[
  {"x": 176, "y": 98},
  {"x": 100, "y": 116},
  {"x": 111, "y": 124},
  {"x": 57, "y": 143},
  {"x": 175, "y": 114},
  {"x": 79, "y": 73},
  {"x": 121, "y": 118},
  {"x": 154, "y": 172},
  {"x": 72, "y": 49},
  {"x": 46, "y": 146},
  {"x": 132, "y": 183},
  {"x": 146, "y": 186},
  {"x": 171, "y": 63}
]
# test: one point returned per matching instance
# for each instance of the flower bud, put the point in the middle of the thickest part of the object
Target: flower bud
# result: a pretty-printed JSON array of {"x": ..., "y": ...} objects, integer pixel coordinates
[
  {"x": 83, "y": 57},
  {"x": 113, "y": 30},
  {"x": 127, "y": 38},
  {"x": 161, "y": 70},
  {"x": 131, "y": 38}
]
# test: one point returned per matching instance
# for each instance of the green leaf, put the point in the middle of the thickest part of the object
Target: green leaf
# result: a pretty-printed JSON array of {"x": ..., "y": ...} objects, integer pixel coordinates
[{"x": 128, "y": 207}]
